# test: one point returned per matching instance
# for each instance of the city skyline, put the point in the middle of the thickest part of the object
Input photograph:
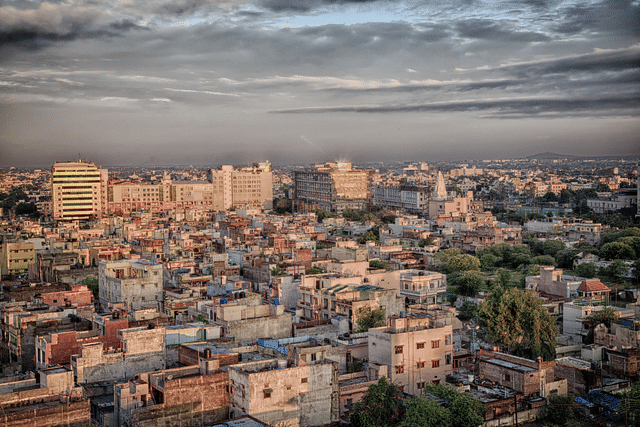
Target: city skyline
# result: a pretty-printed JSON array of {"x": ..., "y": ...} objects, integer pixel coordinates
[{"x": 197, "y": 81}]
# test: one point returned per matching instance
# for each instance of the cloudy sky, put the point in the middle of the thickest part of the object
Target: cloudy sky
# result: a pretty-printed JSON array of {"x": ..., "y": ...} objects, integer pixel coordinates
[{"x": 159, "y": 82}]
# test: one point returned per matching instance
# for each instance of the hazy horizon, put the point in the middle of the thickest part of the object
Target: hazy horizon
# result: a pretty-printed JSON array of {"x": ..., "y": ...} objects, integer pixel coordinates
[{"x": 202, "y": 82}]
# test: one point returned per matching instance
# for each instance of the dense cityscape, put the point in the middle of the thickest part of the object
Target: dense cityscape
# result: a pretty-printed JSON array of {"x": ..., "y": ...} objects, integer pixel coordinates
[{"x": 471, "y": 293}]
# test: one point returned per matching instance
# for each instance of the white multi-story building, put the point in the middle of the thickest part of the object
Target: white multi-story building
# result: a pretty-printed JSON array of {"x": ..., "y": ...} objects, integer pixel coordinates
[{"x": 136, "y": 282}]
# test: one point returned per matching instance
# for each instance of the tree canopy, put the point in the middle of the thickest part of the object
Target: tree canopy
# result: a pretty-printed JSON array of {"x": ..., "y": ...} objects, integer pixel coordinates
[
  {"x": 454, "y": 261},
  {"x": 518, "y": 322},
  {"x": 368, "y": 318},
  {"x": 381, "y": 406}
]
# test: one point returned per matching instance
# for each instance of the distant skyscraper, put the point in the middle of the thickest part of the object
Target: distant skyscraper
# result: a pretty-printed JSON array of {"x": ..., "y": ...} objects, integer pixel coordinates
[{"x": 78, "y": 190}]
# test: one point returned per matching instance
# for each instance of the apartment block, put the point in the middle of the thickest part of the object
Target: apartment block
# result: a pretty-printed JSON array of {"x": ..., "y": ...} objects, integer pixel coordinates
[
  {"x": 417, "y": 348},
  {"x": 138, "y": 283},
  {"x": 78, "y": 190},
  {"x": 333, "y": 187}
]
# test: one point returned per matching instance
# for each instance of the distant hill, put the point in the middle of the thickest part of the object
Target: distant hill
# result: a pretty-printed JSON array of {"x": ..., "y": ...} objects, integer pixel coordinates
[{"x": 547, "y": 155}]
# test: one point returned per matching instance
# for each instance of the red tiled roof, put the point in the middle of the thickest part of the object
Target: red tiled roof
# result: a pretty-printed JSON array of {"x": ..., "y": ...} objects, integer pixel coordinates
[{"x": 592, "y": 285}]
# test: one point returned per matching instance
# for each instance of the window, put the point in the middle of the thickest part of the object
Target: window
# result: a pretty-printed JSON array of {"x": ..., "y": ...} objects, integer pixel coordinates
[
  {"x": 420, "y": 365},
  {"x": 313, "y": 357},
  {"x": 435, "y": 382},
  {"x": 420, "y": 385},
  {"x": 447, "y": 340},
  {"x": 267, "y": 393},
  {"x": 435, "y": 344},
  {"x": 435, "y": 363},
  {"x": 398, "y": 349},
  {"x": 507, "y": 377},
  {"x": 447, "y": 359},
  {"x": 304, "y": 380},
  {"x": 420, "y": 345},
  {"x": 400, "y": 369}
]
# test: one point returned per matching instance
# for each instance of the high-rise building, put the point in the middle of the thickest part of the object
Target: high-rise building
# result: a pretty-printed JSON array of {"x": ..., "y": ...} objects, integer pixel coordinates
[
  {"x": 78, "y": 190},
  {"x": 333, "y": 187}
]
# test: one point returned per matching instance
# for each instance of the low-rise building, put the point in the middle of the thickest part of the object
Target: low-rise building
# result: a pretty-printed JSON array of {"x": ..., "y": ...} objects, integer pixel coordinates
[
  {"x": 300, "y": 392},
  {"x": 136, "y": 282},
  {"x": 416, "y": 348}
]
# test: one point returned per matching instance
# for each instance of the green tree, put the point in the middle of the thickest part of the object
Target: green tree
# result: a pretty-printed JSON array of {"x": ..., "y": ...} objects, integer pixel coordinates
[
  {"x": 277, "y": 271},
  {"x": 488, "y": 262},
  {"x": 322, "y": 214},
  {"x": 504, "y": 278},
  {"x": 381, "y": 406},
  {"x": 379, "y": 265},
  {"x": 605, "y": 316},
  {"x": 562, "y": 410},
  {"x": 369, "y": 318},
  {"x": 617, "y": 250},
  {"x": 467, "y": 283},
  {"x": 370, "y": 235},
  {"x": 356, "y": 366},
  {"x": 454, "y": 261},
  {"x": 616, "y": 269},
  {"x": 93, "y": 284},
  {"x": 544, "y": 260},
  {"x": 467, "y": 311},
  {"x": 424, "y": 412},
  {"x": 464, "y": 410},
  {"x": 426, "y": 242},
  {"x": 315, "y": 270},
  {"x": 552, "y": 247},
  {"x": 202, "y": 319},
  {"x": 630, "y": 405},
  {"x": 517, "y": 321},
  {"x": 565, "y": 258},
  {"x": 587, "y": 270}
]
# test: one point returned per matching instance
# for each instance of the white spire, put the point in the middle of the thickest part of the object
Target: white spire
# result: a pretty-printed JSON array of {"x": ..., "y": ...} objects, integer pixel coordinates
[{"x": 440, "y": 191}]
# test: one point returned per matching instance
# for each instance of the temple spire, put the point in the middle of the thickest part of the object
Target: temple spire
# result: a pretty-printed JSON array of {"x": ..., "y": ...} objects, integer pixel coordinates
[{"x": 440, "y": 191}]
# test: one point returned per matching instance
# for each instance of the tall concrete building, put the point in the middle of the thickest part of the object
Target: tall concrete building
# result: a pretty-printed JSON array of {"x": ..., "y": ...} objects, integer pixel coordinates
[
  {"x": 78, "y": 190},
  {"x": 333, "y": 187}
]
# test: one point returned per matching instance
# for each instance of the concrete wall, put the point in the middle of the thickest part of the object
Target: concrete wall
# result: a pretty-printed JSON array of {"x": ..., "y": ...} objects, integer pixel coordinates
[
  {"x": 300, "y": 395},
  {"x": 275, "y": 327}
]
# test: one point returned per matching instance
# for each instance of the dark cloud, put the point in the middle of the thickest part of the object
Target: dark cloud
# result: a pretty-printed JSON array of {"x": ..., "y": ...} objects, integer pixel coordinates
[
  {"x": 496, "y": 31},
  {"x": 510, "y": 107},
  {"x": 598, "y": 61},
  {"x": 304, "y": 5},
  {"x": 610, "y": 16}
]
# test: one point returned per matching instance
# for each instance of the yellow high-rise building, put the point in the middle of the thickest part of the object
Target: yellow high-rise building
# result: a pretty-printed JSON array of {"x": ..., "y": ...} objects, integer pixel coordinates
[{"x": 78, "y": 190}]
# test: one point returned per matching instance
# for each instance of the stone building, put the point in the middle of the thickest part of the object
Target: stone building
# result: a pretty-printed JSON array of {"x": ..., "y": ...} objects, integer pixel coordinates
[
  {"x": 135, "y": 282},
  {"x": 141, "y": 350},
  {"x": 300, "y": 392},
  {"x": 191, "y": 396}
]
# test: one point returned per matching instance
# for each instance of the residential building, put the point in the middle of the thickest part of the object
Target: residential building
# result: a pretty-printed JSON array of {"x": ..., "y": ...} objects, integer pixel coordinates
[
  {"x": 300, "y": 392},
  {"x": 609, "y": 202},
  {"x": 333, "y": 187},
  {"x": 524, "y": 376},
  {"x": 16, "y": 257},
  {"x": 136, "y": 282},
  {"x": 188, "y": 396},
  {"x": 416, "y": 348},
  {"x": 78, "y": 190},
  {"x": 419, "y": 286}
]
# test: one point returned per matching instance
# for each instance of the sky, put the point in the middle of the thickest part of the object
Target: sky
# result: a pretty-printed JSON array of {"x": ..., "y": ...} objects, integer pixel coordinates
[{"x": 206, "y": 82}]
